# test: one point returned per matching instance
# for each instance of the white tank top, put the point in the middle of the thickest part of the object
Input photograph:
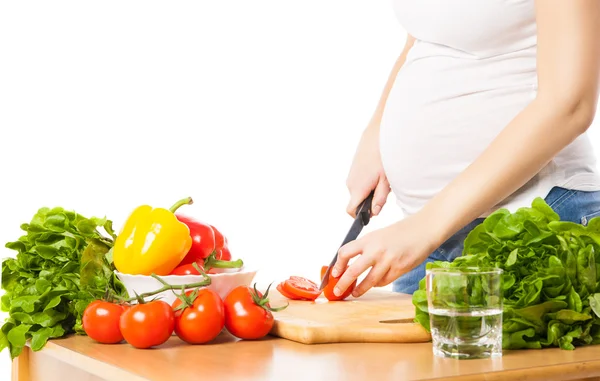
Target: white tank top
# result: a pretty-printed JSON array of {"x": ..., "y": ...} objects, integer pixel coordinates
[{"x": 471, "y": 70}]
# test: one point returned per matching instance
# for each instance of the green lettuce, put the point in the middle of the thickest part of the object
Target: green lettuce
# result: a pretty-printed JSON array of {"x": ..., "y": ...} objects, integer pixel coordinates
[
  {"x": 550, "y": 284},
  {"x": 62, "y": 264}
]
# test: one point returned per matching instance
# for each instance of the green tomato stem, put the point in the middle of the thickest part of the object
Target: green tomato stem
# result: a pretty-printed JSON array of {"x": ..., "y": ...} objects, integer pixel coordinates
[
  {"x": 167, "y": 287},
  {"x": 264, "y": 301},
  {"x": 199, "y": 269},
  {"x": 180, "y": 203},
  {"x": 161, "y": 280},
  {"x": 186, "y": 301}
]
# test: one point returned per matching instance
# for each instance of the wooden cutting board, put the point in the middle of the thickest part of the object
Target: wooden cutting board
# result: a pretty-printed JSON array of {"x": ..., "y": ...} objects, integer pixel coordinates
[{"x": 376, "y": 317}]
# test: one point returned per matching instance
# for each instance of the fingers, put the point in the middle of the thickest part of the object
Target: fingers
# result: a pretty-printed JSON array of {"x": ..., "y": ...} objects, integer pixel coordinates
[
  {"x": 355, "y": 199},
  {"x": 390, "y": 276},
  {"x": 345, "y": 253},
  {"x": 380, "y": 196},
  {"x": 378, "y": 271},
  {"x": 358, "y": 267},
  {"x": 382, "y": 190}
]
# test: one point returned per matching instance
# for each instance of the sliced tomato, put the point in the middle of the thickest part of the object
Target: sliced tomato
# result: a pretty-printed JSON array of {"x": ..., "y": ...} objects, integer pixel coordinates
[
  {"x": 286, "y": 294},
  {"x": 328, "y": 290},
  {"x": 301, "y": 288}
]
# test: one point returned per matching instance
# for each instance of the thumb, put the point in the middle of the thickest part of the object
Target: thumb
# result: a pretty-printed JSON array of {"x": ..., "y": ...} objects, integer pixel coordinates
[{"x": 380, "y": 196}]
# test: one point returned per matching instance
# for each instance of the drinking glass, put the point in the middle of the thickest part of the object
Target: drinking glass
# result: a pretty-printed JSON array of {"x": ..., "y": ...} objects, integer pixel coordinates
[{"x": 465, "y": 311}]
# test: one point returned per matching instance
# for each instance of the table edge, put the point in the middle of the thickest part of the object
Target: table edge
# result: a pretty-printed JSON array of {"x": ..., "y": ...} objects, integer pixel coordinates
[
  {"x": 577, "y": 370},
  {"x": 91, "y": 365}
]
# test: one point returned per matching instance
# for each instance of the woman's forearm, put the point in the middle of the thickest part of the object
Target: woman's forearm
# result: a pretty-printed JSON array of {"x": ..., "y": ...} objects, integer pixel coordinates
[
  {"x": 376, "y": 118},
  {"x": 518, "y": 153},
  {"x": 568, "y": 75}
]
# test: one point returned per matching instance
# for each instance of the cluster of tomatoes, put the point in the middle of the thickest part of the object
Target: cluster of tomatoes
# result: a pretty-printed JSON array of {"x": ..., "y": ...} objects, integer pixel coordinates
[
  {"x": 299, "y": 288},
  {"x": 196, "y": 317}
]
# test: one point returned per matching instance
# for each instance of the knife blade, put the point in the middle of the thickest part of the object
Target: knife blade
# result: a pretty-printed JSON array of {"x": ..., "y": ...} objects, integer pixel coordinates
[{"x": 363, "y": 216}]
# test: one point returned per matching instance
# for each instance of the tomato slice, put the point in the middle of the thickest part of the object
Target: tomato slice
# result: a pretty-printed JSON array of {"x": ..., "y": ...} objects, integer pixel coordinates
[
  {"x": 302, "y": 288},
  {"x": 286, "y": 294}
]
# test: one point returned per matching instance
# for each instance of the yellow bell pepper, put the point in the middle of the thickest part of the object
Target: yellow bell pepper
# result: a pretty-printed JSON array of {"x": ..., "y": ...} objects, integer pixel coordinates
[{"x": 152, "y": 241}]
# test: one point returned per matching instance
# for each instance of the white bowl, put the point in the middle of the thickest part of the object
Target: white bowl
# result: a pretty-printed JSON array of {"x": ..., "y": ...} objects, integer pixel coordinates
[{"x": 221, "y": 283}]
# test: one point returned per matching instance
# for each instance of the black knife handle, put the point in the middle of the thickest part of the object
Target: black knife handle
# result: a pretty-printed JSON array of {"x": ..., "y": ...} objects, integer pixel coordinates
[
  {"x": 363, "y": 216},
  {"x": 364, "y": 209}
]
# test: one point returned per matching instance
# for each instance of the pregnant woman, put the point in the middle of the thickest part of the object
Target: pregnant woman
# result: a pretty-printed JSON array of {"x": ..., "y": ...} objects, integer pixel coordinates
[{"x": 487, "y": 107}]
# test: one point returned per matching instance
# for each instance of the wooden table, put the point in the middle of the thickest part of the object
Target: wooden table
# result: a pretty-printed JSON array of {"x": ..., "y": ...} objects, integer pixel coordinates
[{"x": 78, "y": 358}]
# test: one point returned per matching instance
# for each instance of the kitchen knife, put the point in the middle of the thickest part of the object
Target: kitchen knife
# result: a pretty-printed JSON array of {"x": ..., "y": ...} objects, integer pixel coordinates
[{"x": 363, "y": 216}]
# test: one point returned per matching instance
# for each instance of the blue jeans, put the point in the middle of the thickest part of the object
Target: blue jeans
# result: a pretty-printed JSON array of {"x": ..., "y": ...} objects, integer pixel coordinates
[{"x": 570, "y": 205}]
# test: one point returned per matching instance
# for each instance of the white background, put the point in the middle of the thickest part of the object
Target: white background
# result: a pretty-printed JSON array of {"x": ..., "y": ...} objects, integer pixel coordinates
[{"x": 253, "y": 108}]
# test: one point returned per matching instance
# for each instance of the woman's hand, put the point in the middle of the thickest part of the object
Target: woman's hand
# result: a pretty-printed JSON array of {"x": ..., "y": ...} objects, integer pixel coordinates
[
  {"x": 390, "y": 252},
  {"x": 366, "y": 173}
]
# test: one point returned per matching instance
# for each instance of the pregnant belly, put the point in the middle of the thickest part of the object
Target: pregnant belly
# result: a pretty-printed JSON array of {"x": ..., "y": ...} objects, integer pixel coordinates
[{"x": 429, "y": 136}]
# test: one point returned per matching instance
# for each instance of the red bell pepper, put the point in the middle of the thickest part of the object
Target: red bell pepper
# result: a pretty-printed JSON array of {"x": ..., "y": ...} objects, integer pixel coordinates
[
  {"x": 203, "y": 240},
  {"x": 221, "y": 246},
  {"x": 209, "y": 265},
  {"x": 220, "y": 239},
  {"x": 224, "y": 254}
]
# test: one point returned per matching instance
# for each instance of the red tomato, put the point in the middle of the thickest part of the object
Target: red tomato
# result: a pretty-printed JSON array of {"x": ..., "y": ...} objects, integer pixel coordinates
[
  {"x": 101, "y": 321},
  {"x": 248, "y": 313},
  {"x": 328, "y": 290},
  {"x": 323, "y": 270},
  {"x": 203, "y": 239},
  {"x": 148, "y": 324},
  {"x": 302, "y": 288},
  {"x": 188, "y": 269},
  {"x": 200, "y": 318}
]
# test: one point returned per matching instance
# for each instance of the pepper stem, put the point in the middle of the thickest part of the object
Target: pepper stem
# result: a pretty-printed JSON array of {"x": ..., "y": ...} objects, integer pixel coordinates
[
  {"x": 180, "y": 203},
  {"x": 211, "y": 262}
]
